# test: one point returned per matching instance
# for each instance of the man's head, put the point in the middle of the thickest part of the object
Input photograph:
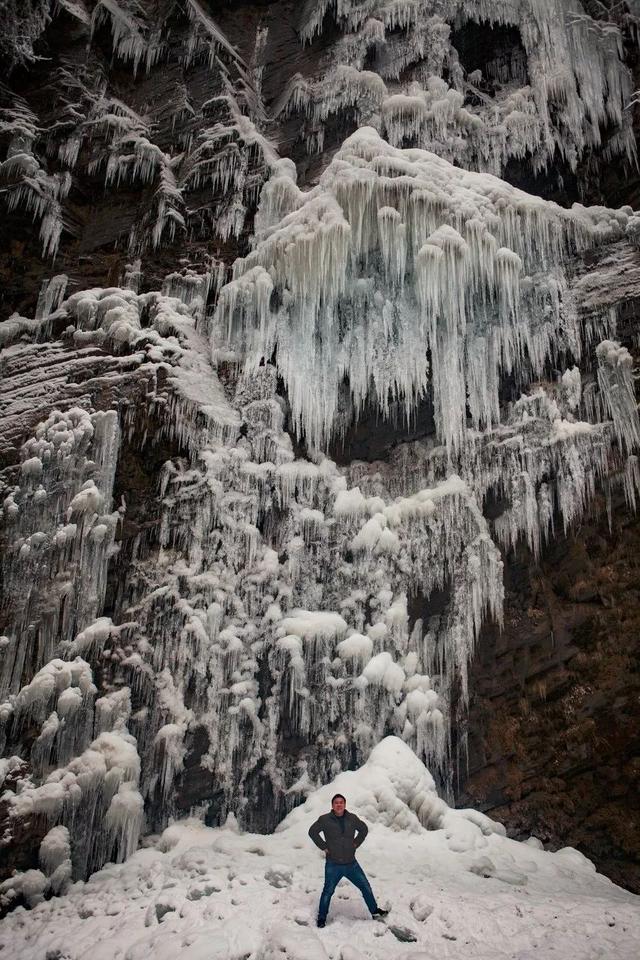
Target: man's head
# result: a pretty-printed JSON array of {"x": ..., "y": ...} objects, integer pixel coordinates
[{"x": 338, "y": 804}]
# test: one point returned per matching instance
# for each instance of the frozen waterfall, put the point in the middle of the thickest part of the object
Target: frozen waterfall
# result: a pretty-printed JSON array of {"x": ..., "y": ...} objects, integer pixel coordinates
[{"x": 276, "y": 618}]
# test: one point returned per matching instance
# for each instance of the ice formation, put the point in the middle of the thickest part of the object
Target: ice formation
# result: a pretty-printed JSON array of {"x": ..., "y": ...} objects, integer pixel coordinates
[
  {"x": 60, "y": 530},
  {"x": 280, "y": 614},
  {"x": 279, "y": 603},
  {"x": 395, "y": 255},
  {"x": 563, "y": 93},
  {"x": 223, "y": 153},
  {"x": 563, "y": 84}
]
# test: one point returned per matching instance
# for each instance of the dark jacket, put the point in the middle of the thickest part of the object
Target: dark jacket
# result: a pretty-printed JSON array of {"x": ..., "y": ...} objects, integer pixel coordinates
[{"x": 340, "y": 840}]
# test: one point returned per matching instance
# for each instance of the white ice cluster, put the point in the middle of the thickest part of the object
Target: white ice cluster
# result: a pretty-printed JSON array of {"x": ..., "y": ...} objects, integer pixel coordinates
[
  {"x": 280, "y": 604},
  {"x": 199, "y": 161},
  {"x": 292, "y": 599},
  {"x": 617, "y": 391},
  {"x": 394, "y": 256},
  {"x": 321, "y": 602},
  {"x": 400, "y": 64},
  {"x": 196, "y": 289},
  {"x": 58, "y": 530},
  {"x": 51, "y": 295},
  {"x": 138, "y": 38},
  {"x": 82, "y": 775},
  {"x": 95, "y": 798}
]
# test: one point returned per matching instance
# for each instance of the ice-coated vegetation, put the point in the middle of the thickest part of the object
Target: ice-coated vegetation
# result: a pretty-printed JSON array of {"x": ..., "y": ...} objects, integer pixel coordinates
[
  {"x": 561, "y": 92},
  {"x": 88, "y": 131}
]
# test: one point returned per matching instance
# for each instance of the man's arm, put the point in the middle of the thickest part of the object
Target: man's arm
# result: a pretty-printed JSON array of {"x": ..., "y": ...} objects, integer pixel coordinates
[
  {"x": 362, "y": 829},
  {"x": 314, "y": 833}
]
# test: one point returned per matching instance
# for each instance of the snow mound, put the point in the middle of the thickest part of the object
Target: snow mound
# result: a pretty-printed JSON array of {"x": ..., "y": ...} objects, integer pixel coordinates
[
  {"x": 392, "y": 788},
  {"x": 395, "y": 789},
  {"x": 456, "y": 885}
]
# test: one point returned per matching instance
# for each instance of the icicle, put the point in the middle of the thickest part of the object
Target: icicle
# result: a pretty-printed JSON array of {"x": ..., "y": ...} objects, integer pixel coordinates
[
  {"x": 457, "y": 243},
  {"x": 537, "y": 108},
  {"x": 615, "y": 379},
  {"x": 51, "y": 295},
  {"x": 42, "y": 194},
  {"x": 59, "y": 536},
  {"x": 131, "y": 38}
]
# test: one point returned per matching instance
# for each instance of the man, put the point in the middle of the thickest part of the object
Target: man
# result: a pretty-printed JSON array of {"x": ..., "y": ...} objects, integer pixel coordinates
[{"x": 343, "y": 833}]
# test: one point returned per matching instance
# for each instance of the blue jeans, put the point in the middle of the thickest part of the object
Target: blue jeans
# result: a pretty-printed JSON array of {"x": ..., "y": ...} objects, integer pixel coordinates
[{"x": 333, "y": 874}]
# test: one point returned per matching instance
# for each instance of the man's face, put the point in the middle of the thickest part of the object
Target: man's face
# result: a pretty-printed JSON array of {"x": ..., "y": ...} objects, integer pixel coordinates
[{"x": 338, "y": 806}]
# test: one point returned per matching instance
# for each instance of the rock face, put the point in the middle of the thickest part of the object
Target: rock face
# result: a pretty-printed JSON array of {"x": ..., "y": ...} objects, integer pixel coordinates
[
  {"x": 292, "y": 371},
  {"x": 554, "y": 721}
]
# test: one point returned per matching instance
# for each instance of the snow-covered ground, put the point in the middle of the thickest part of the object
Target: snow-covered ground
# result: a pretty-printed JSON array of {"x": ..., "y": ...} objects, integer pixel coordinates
[{"x": 457, "y": 888}]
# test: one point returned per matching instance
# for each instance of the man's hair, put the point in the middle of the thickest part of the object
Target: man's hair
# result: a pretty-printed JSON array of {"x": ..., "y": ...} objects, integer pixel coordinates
[{"x": 337, "y": 796}]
